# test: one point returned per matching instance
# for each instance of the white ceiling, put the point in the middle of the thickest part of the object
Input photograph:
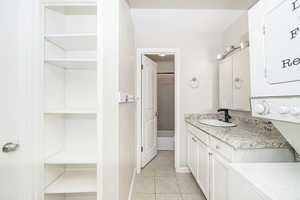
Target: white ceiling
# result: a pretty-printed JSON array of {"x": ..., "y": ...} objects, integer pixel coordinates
[
  {"x": 193, "y": 4},
  {"x": 158, "y": 58},
  {"x": 184, "y": 20}
]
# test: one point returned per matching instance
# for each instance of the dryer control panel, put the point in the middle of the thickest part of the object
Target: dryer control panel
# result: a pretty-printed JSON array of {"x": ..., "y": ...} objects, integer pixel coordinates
[{"x": 277, "y": 108}]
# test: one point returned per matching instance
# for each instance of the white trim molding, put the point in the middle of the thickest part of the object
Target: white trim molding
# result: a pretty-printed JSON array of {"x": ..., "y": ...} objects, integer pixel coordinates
[
  {"x": 176, "y": 53},
  {"x": 130, "y": 196},
  {"x": 183, "y": 170}
]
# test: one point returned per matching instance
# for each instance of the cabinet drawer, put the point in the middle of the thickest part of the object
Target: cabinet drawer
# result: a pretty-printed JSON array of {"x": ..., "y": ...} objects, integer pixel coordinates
[
  {"x": 201, "y": 135},
  {"x": 220, "y": 147}
]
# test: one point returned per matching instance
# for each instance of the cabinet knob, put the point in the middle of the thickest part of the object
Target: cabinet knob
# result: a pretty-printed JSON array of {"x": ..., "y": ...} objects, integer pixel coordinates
[
  {"x": 218, "y": 147},
  {"x": 295, "y": 111},
  {"x": 284, "y": 110},
  {"x": 10, "y": 147}
]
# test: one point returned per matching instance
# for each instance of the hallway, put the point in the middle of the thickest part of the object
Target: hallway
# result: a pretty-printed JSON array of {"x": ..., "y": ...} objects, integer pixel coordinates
[{"x": 159, "y": 181}]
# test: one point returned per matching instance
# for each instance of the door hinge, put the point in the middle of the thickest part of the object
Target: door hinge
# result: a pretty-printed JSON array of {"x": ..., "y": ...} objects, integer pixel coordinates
[
  {"x": 142, "y": 149},
  {"x": 266, "y": 73},
  {"x": 264, "y": 29},
  {"x": 142, "y": 66}
]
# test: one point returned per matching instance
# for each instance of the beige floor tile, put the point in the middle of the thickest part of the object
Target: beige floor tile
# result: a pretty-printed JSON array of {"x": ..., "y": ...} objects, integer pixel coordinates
[
  {"x": 143, "y": 197},
  {"x": 188, "y": 185},
  {"x": 168, "y": 197},
  {"x": 165, "y": 172},
  {"x": 187, "y": 175},
  {"x": 148, "y": 171},
  {"x": 145, "y": 185},
  {"x": 166, "y": 185},
  {"x": 193, "y": 197}
]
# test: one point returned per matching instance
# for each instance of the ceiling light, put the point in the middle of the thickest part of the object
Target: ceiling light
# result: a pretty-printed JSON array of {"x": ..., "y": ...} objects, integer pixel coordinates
[{"x": 162, "y": 55}]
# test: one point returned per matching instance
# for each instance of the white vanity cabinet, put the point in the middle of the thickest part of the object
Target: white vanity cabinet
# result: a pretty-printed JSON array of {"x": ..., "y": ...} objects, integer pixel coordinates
[
  {"x": 210, "y": 159},
  {"x": 218, "y": 177},
  {"x": 203, "y": 168},
  {"x": 198, "y": 157},
  {"x": 234, "y": 81},
  {"x": 193, "y": 154}
]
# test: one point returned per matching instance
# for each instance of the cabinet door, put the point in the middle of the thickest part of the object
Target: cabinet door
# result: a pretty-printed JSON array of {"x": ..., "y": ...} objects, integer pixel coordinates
[
  {"x": 225, "y": 83},
  {"x": 218, "y": 178},
  {"x": 203, "y": 168},
  {"x": 194, "y": 156},
  {"x": 189, "y": 149},
  {"x": 241, "y": 80}
]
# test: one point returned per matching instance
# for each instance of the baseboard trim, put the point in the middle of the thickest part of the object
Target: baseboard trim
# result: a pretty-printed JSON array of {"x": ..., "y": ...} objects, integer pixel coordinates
[
  {"x": 183, "y": 170},
  {"x": 132, "y": 184}
]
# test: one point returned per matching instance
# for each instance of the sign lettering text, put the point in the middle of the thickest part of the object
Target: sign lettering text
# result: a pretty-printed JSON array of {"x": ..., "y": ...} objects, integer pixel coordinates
[
  {"x": 294, "y": 33},
  {"x": 296, "y": 5},
  {"x": 289, "y": 62}
]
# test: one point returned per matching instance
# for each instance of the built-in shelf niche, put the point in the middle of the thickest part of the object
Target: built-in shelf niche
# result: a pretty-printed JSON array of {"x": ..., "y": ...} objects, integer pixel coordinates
[
  {"x": 72, "y": 181},
  {"x": 70, "y": 101},
  {"x": 70, "y": 139},
  {"x": 70, "y": 19},
  {"x": 70, "y": 91}
]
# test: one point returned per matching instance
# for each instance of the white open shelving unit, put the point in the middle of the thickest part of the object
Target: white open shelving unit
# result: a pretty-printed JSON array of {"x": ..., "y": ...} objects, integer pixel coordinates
[{"x": 70, "y": 101}]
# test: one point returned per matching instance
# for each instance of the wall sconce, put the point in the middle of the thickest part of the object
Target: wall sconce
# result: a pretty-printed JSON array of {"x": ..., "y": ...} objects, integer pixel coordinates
[{"x": 194, "y": 82}]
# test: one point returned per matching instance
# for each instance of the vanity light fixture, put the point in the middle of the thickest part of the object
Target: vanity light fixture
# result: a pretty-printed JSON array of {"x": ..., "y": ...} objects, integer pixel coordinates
[
  {"x": 220, "y": 56},
  {"x": 244, "y": 45},
  {"x": 228, "y": 50}
]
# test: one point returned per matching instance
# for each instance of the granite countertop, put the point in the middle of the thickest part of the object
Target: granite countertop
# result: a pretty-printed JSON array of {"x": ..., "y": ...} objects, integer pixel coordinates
[{"x": 250, "y": 133}]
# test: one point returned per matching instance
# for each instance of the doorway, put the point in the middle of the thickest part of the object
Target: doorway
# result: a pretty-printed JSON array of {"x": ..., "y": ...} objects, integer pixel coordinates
[{"x": 157, "y": 108}]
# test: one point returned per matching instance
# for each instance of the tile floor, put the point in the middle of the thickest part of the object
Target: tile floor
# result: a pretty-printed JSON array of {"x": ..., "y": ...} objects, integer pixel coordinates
[{"x": 159, "y": 181}]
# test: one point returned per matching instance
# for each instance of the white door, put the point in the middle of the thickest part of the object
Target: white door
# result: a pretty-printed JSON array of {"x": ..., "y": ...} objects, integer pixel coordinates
[
  {"x": 149, "y": 110},
  {"x": 225, "y": 83},
  {"x": 15, "y": 181}
]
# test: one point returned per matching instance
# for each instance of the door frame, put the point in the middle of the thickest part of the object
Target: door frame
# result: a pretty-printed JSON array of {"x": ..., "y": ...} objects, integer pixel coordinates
[{"x": 140, "y": 53}]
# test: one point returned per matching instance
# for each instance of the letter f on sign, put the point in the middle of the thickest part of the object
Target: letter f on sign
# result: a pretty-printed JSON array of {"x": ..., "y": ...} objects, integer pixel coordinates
[{"x": 294, "y": 33}]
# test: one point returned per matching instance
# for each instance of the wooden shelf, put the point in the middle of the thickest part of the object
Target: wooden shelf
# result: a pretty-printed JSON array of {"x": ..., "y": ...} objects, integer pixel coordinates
[
  {"x": 70, "y": 111},
  {"x": 65, "y": 158},
  {"x": 73, "y": 63},
  {"x": 74, "y": 182},
  {"x": 74, "y": 42}
]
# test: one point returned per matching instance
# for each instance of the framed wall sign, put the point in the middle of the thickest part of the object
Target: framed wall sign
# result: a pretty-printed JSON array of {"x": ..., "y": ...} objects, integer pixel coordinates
[{"x": 282, "y": 42}]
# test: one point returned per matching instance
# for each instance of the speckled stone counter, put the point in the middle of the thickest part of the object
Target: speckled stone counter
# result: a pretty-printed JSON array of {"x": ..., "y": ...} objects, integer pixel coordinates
[{"x": 250, "y": 133}]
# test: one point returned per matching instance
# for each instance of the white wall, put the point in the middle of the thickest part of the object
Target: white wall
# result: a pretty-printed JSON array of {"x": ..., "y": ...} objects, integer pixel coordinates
[
  {"x": 165, "y": 66},
  {"x": 234, "y": 34},
  {"x": 198, "y": 52},
  {"x": 118, "y": 128}
]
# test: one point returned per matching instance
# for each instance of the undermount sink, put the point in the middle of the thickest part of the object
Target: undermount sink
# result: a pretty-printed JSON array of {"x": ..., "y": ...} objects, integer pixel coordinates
[{"x": 216, "y": 123}]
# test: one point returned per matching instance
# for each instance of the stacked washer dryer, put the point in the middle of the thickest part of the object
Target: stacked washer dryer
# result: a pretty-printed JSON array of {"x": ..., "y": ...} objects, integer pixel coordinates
[{"x": 275, "y": 95}]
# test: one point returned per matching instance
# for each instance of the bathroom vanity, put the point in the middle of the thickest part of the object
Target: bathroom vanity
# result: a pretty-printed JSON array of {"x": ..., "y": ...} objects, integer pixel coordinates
[{"x": 212, "y": 150}]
